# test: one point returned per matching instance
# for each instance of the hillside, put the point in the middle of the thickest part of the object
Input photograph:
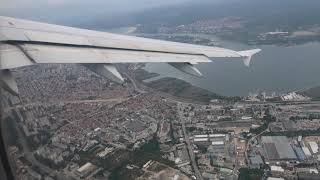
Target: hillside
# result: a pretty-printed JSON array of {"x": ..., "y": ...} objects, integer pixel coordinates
[
  {"x": 272, "y": 14},
  {"x": 182, "y": 89},
  {"x": 313, "y": 92}
]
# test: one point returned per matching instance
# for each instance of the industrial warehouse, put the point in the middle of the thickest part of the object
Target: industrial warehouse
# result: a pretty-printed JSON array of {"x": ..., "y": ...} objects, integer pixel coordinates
[{"x": 278, "y": 148}]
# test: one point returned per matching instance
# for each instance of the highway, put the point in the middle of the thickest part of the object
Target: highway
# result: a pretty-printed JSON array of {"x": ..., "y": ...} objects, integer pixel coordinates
[{"x": 189, "y": 146}]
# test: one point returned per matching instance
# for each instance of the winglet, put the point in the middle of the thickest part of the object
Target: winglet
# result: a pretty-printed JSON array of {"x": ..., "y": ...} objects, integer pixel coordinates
[{"x": 247, "y": 55}]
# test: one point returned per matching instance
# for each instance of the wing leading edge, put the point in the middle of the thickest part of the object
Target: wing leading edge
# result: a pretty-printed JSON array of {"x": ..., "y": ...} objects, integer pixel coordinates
[{"x": 24, "y": 43}]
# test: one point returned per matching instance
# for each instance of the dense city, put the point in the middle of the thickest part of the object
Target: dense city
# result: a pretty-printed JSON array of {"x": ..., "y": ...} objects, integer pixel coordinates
[{"x": 83, "y": 126}]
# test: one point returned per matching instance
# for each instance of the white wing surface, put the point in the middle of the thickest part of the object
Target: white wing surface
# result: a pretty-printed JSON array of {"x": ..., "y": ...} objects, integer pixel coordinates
[{"x": 24, "y": 43}]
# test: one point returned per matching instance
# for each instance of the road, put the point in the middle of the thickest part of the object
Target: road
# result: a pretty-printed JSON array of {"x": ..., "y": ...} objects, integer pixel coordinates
[
  {"x": 182, "y": 118},
  {"x": 133, "y": 81},
  {"x": 189, "y": 146},
  {"x": 249, "y": 141},
  {"x": 180, "y": 113}
]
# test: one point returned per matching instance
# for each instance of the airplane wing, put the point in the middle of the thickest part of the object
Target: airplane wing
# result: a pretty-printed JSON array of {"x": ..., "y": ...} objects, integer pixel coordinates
[{"x": 24, "y": 43}]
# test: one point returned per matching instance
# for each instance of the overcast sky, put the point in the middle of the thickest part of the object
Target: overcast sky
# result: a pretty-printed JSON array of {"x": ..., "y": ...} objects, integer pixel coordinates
[
  {"x": 77, "y": 11},
  {"x": 43, "y": 7},
  {"x": 74, "y": 12},
  {"x": 113, "y": 5}
]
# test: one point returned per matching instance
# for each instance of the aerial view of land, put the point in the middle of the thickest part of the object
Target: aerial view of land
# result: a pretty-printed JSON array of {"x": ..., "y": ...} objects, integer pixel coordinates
[
  {"x": 250, "y": 22},
  {"x": 142, "y": 130},
  {"x": 71, "y": 123}
]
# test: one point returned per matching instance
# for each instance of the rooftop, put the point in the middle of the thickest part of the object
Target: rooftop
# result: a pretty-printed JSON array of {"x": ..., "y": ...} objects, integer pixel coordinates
[{"x": 278, "y": 148}]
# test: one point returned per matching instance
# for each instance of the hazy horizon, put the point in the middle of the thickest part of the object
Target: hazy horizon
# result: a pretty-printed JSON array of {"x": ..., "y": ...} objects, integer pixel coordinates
[{"x": 83, "y": 12}]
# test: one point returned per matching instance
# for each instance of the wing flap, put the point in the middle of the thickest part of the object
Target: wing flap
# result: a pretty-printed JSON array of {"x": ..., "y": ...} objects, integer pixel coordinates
[
  {"x": 69, "y": 54},
  {"x": 12, "y": 57}
]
